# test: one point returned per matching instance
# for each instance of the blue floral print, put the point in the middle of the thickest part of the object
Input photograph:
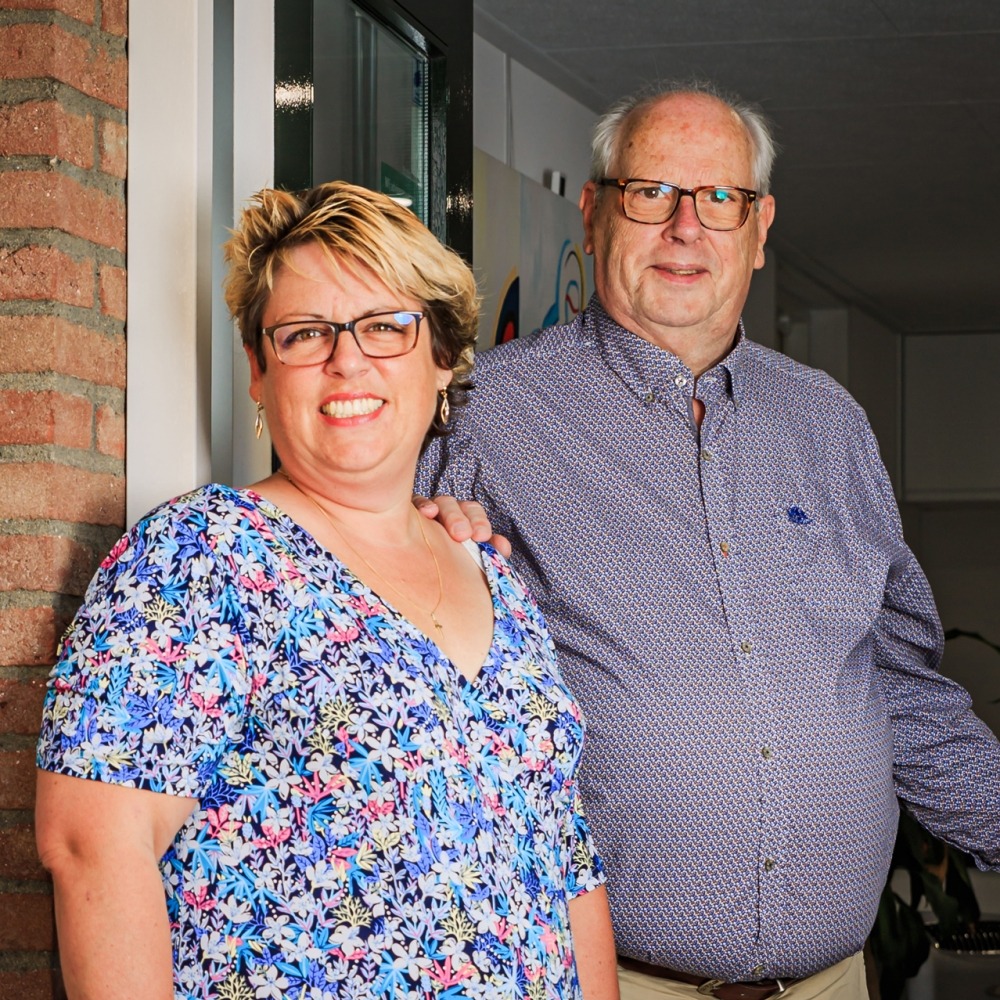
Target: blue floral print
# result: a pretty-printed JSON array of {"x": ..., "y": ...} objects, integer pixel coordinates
[{"x": 370, "y": 822}]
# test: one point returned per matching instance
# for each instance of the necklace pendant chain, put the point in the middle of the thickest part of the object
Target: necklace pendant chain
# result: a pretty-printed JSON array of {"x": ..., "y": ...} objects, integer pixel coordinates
[{"x": 432, "y": 613}]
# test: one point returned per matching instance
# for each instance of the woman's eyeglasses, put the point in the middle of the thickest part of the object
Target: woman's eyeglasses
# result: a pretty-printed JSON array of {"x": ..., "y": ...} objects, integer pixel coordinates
[{"x": 313, "y": 341}]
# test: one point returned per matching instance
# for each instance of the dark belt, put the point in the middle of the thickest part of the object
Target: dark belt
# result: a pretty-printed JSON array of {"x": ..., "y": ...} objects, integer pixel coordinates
[{"x": 718, "y": 988}]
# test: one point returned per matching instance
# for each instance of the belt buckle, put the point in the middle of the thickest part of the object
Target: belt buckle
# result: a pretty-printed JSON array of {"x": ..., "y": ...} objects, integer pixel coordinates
[{"x": 708, "y": 988}]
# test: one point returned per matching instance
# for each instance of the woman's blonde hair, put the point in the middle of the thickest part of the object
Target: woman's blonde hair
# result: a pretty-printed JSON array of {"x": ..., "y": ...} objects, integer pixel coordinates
[{"x": 363, "y": 229}]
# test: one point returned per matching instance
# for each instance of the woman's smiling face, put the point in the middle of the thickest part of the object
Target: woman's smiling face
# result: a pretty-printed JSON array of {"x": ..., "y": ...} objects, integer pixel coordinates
[{"x": 352, "y": 416}]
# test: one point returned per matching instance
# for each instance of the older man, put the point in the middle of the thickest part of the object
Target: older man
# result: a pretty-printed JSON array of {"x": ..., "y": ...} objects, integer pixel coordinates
[{"x": 713, "y": 538}]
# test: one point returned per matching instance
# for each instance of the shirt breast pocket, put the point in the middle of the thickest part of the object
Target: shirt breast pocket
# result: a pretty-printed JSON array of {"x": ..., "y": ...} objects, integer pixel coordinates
[{"x": 829, "y": 568}]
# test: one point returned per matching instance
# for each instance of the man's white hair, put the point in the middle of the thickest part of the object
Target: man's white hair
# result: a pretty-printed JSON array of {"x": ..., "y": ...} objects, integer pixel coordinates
[{"x": 609, "y": 128}]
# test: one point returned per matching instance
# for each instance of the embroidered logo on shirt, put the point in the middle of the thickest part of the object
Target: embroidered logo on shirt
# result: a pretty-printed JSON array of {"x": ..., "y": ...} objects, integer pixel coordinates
[{"x": 798, "y": 516}]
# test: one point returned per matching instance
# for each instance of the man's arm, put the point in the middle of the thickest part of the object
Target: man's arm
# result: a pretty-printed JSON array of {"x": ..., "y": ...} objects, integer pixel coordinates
[
  {"x": 594, "y": 944},
  {"x": 946, "y": 761},
  {"x": 102, "y": 844},
  {"x": 449, "y": 469}
]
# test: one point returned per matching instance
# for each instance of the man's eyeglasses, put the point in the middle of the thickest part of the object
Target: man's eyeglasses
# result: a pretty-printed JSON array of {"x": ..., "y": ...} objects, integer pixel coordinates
[
  {"x": 653, "y": 202},
  {"x": 313, "y": 341}
]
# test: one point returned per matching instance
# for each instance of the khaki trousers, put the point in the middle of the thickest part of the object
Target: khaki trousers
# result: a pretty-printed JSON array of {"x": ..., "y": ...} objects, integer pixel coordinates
[{"x": 843, "y": 981}]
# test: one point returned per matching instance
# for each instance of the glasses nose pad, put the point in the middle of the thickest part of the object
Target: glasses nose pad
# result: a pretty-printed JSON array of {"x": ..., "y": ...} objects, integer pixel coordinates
[
  {"x": 686, "y": 204},
  {"x": 354, "y": 355}
]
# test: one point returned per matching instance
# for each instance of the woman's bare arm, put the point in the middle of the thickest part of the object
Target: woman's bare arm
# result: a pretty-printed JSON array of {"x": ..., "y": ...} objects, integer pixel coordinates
[
  {"x": 594, "y": 945},
  {"x": 102, "y": 844}
]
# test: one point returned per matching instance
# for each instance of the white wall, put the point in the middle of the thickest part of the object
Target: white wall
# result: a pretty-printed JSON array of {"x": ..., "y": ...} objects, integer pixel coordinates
[
  {"x": 525, "y": 122},
  {"x": 187, "y": 413},
  {"x": 253, "y": 169},
  {"x": 168, "y": 375}
]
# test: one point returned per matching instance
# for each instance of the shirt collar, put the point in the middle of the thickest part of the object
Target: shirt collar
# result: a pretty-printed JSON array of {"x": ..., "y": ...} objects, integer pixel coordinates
[
  {"x": 653, "y": 373},
  {"x": 735, "y": 363}
]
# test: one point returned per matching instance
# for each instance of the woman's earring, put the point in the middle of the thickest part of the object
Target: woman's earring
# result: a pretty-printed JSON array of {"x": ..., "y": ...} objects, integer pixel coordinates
[
  {"x": 444, "y": 411},
  {"x": 258, "y": 424}
]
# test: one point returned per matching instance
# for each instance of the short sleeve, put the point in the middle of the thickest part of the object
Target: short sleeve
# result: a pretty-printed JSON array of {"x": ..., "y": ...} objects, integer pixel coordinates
[
  {"x": 585, "y": 871},
  {"x": 151, "y": 684},
  {"x": 448, "y": 464},
  {"x": 452, "y": 466}
]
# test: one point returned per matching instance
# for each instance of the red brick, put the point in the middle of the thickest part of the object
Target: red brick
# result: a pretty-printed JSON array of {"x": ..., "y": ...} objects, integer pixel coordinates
[
  {"x": 21, "y": 709},
  {"x": 36, "y": 200},
  {"x": 112, "y": 290},
  {"x": 79, "y": 10},
  {"x": 28, "y": 637},
  {"x": 114, "y": 149},
  {"x": 110, "y": 432},
  {"x": 37, "y": 984},
  {"x": 52, "y": 344},
  {"x": 46, "y": 418},
  {"x": 18, "y": 854},
  {"x": 52, "y": 563},
  {"x": 44, "y": 128},
  {"x": 17, "y": 785},
  {"x": 29, "y": 51},
  {"x": 114, "y": 17},
  {"x": 45, "y": 273},
  {"x": 27, "y": 922},
  {"x": 46, "y": 490}
]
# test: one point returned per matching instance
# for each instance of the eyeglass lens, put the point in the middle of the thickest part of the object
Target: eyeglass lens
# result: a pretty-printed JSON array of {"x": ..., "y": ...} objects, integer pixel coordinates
[
  {"x": 312, "y": 342},
  {"x": 718, "y": 208}
]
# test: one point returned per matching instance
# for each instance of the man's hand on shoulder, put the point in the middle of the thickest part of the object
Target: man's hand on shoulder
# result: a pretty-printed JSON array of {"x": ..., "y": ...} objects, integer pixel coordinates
[{"x": 462, "y": 519}]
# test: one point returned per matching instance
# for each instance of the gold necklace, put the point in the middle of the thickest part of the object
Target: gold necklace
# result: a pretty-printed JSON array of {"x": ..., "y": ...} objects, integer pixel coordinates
[{"x": 437, "y": 566}]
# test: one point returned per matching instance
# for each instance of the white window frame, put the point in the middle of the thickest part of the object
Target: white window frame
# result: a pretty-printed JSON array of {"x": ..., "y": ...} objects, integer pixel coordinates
[{"x": 188, "y": 416}]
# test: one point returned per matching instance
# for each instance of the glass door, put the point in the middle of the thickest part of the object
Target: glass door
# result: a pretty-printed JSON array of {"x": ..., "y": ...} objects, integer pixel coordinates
[{"x": 368, "y": 92}]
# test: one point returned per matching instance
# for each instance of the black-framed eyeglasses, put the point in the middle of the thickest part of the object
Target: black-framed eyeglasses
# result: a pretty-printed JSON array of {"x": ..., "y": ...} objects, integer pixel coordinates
[
  {"x": 654, "y": 202},
  {"x": 313, "y": 341}
]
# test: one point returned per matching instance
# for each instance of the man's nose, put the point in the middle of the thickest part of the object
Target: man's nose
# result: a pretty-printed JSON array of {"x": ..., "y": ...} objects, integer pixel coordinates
[{"x": 685, "y": 219}]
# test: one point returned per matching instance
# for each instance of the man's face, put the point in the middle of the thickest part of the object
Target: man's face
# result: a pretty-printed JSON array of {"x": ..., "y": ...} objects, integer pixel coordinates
[{"x": 677, "y": 283}]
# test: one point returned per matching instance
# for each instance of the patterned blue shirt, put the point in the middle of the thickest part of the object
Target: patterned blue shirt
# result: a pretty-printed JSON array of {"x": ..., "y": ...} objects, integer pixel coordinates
[
  {"x": 754, "y": 645},
  {"x": 370, "y": 823}
]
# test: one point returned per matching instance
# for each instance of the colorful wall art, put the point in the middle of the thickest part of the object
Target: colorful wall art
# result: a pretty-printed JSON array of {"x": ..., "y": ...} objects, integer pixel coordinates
[{"x": 528, "y": 253}]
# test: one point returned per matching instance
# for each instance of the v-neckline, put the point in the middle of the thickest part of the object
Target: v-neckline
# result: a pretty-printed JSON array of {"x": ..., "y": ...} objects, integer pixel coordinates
[{"x": 400, "y": 619}]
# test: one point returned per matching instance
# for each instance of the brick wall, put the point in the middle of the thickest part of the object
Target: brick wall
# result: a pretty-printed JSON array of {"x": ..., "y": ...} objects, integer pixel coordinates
[{"x": 63, "y": 97}]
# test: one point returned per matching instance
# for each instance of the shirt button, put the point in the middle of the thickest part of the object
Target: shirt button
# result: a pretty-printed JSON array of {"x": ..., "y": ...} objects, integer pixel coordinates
[
  {"x": 770, "y": 864},
  {"x": 747, "y": 646},
  {"x": 766, "y": 753},
  {"x": 706, "y": 455},
  {"x": 680, "y": 381},
  {"x": 649, "y": 397},
  {"x": 758, "y": 970},
  {"x": 724, "y": 548}
]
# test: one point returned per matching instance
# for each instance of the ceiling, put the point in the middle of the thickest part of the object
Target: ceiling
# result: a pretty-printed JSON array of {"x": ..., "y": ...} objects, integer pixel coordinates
[{"x": 887, "y": 113}]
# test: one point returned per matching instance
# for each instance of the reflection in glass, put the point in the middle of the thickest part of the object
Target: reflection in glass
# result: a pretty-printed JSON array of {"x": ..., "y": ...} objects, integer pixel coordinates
[{"x": 371, "y": 105}]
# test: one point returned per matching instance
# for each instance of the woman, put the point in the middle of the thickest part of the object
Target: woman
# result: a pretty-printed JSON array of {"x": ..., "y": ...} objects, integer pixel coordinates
[{"x": 333, "y": 735}]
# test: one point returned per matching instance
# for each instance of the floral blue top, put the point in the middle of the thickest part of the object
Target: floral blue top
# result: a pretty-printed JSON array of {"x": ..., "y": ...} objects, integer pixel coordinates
[{"x": 370, "y": 823}]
